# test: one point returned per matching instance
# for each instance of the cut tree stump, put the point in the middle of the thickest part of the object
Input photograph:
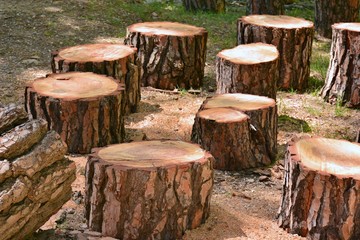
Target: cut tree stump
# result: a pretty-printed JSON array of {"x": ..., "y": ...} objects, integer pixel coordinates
[
  {"x": 293, "y": 38},
  {"x": 172, "y": 55},
  {"x": 217, "y": 6},
  {"x": 249, "y": 68},
  {"x": 342, "y": 83},
  {"x": 114, "y": 60},
  {"x": 328, "y": 12},
  {"x": 11, "y": 116},
  {"x": 148, "y": 190},
  {"x": 321, "y": 191},
  {"x": 239, "y": 130},
  {"x": 272, "y": 7},
  {"x": 86, "y": 109}
]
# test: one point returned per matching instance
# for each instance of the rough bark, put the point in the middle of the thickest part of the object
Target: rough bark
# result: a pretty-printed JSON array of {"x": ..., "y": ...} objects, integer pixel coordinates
[
  {"x": 217, "y": 6},
  {"x": 239, "y": 130},
  {"x": 148, "y": 190},
  {"x": 86, "y": 109},
  {"x": 321, "y": 189},
  {"x": 171, "y": 55},
  {"x": 358, "y": 137},
  {"x": 293, "y": 38},
  {"x": 272, "y": 7},
  {"x": 250, "y": 68},
  {"x": 11, "y": 116},
  {"x": 114, "y": 60},
  {"x": 328, "y": 12},
  {"x": 342, "y": 83}
]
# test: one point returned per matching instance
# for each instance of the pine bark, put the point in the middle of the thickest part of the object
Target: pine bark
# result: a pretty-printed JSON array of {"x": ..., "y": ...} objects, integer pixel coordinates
[
  {"x": 217, "y": 6},
  {"x": 329, "y": 12},
  {"x": 148, "y": 190},
  {"x": 358, "y": 137},
  {"x": 239, "y": 130},
  {"x": 11, "y": 116},
  {"x": 171, "y": 55},
  {"x": 320, "y": 201},
  {"x": 293, "y": 38},
  {"x": 272, "y": 7},
  {"x": 250, "y": 68},
  {"x": 342, "y": 83}
]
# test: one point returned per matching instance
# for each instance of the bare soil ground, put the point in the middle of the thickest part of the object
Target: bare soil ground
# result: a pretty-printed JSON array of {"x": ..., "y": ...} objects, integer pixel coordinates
[{"x": 242, "y": 206}]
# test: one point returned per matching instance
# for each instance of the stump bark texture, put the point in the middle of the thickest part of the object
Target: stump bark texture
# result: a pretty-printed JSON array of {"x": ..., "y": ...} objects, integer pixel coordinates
[
  {"x": 86, "y": 109},
  {"x": 114, "y": 60},
  {"x": 239, "y": 130},
  {"x": 321, "y": 189},
  {"x": 249, "y": 68},
  {"x": 148, "y": 190},
  {"x": 172, "y": 55},
  {"x": 35, "y": 177},
  {"x": 293, "y": 38},
  {"x": 217, "y": 6},
  {"x": 271, "y": 7},
  {"x": 342, "y": 83},
  {"x": 329, "y": 12}
]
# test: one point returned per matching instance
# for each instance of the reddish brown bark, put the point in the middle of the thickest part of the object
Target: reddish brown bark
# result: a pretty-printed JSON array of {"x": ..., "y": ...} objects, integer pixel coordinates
[
  {"x": 272, "y": 7},
  {"x": 217, "y": 6}
]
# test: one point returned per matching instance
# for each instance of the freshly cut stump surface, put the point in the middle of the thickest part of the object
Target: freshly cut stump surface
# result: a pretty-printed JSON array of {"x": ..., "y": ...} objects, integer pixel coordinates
[
  {"x": 114, "y": 60},
  {"x": 86, "y": 109},
  {"x": 148, "y": 190},
  {"x": 342, "y": 83},
  {"x": 321, "y": 191},
  {"x": 239, "y": 130},
  {"x": 172, "y": 55},
  {"x": 293, "y": 38},
  {"x": 249, "y": 68},
  {"x": 272, "y": 7}
]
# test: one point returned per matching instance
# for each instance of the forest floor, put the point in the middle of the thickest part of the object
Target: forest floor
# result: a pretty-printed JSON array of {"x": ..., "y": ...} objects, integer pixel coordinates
[{"x": 244, "y": 204}]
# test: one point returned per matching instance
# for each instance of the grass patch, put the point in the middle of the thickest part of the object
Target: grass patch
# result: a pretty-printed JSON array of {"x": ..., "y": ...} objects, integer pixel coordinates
[{"x": 290, "y": 124}]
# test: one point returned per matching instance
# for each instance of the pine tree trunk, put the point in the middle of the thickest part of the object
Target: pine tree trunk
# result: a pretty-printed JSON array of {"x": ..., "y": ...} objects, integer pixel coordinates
[
  {"x": 293, "y": 38},
  {"x": 217, "y": 6},
  {"x": 250, "y": 68},
  {"x": 272, "y": 7},
  {"x": 172, "y": 55},
  {"x": 321, "y": 191},
  {"x": 342, "y": 83},
  {"x": 239, "y": 130},
  {"x": 148, "y": 190}
]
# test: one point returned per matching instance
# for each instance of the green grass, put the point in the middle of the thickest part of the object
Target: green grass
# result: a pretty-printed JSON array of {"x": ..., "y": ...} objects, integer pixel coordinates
[{"x": 291, "y": 124}]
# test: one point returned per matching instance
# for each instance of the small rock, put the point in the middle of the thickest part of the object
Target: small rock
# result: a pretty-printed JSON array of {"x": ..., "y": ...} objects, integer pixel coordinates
[
  {"x": 263, "y": 172},
  {"x": 30, "y": 61},
  {"x": 83, "y": 226},
  {"x": 70, "y": 211},
  {"x": 61, "y": 218},
  {"x": 74, "y": 232},
  {"x": 92, "y": 233},
  {"x": 250, "y": 180},
  {"x": 263, "y": 179}
]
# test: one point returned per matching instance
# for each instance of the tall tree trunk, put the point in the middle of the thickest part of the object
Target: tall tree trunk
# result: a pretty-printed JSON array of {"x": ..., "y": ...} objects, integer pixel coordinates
[
  {"x": 272, "y": 7},
  {"x": 217, "y": 6}
]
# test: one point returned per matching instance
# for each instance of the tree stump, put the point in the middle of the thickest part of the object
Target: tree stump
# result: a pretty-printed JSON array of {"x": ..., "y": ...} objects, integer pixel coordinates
[
  {"x": 342, "y": 83},
  {"x": 172, "y": 55},
  {"x": 250, "y": 68},
  {"x": 328, "y": 12},
  {"x": 114, "y": 60},
  {"x": 239, "y": 130},
  {"x": 293, "y": 38},
  {"x": 358, "y": 137},
  {"x": 217, "y": 6},
  {"x": 86, "y": 109},
  {"x": 148, "y": 190},
  {"x": 321, "y": 191},
  {"x": 11, "y": 116},
  {"x": 272, "y": 7}
]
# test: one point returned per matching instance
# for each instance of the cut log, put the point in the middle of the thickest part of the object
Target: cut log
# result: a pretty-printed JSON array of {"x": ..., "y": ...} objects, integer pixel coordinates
[
  {"x": 321, "y": 191},
  {"x": 293, "y": 38},
  {"x": 148, "y": 190},
  {"x": 272, "y": 7},
  {"x": 217, "y": 6},
  {"x": 114, "y": 60},
  {"x": 86, "y": 109},
  {"x": 11, "y": 116},
  {"x": 342, "y": 83},
  {"x": 239, "y": 130},
  {"x": 250, "y": 68},
  {"x": 172, "y": 55},
  {"x": 328, "y": 12}
]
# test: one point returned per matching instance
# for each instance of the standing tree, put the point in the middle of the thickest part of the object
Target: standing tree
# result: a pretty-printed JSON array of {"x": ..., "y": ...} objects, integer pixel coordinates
[
  {"x": 272, "y": 7},
  {"x": 217, "y": 6}
]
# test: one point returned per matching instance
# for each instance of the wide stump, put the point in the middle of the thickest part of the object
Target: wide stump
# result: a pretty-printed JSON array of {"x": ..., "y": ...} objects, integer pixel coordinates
[
  {"x": 250, "y": 68},
  {"x": 114, "y": 60},
  {"x": 239, "y": 130},
  {"x": 342, "y": 83},
  {"x": 172, "y": 55},
  {"x": 321, "y": 191},
  {"x": 148, "y": 190},
  {"x": 293, "y": 38},
  {"x": 86, "y": 109}
]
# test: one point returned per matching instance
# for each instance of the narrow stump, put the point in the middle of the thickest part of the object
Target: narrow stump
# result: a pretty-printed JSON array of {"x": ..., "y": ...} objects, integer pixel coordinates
[
  {"x": 114, "y": 60},
  {"x": 272, "y": 7},
  {"x": 321, "y": 191},
  {"x": 250, "y": 68},
  {"x": 239, "y": 130},
  {"x": 148, "y": 190},
  {"x": 342, "y": 84},
  {"x": 86, "y": 109},
  {"x": 172, "y": 55},
  {"x": 293, "y": 38},
  {"x": 217, "y": 6}
]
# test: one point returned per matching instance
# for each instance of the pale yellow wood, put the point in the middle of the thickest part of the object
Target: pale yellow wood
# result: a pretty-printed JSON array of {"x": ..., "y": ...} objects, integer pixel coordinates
[
  {"x": 223, "y": 115},
  {"x": 278, "y": 21}
]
